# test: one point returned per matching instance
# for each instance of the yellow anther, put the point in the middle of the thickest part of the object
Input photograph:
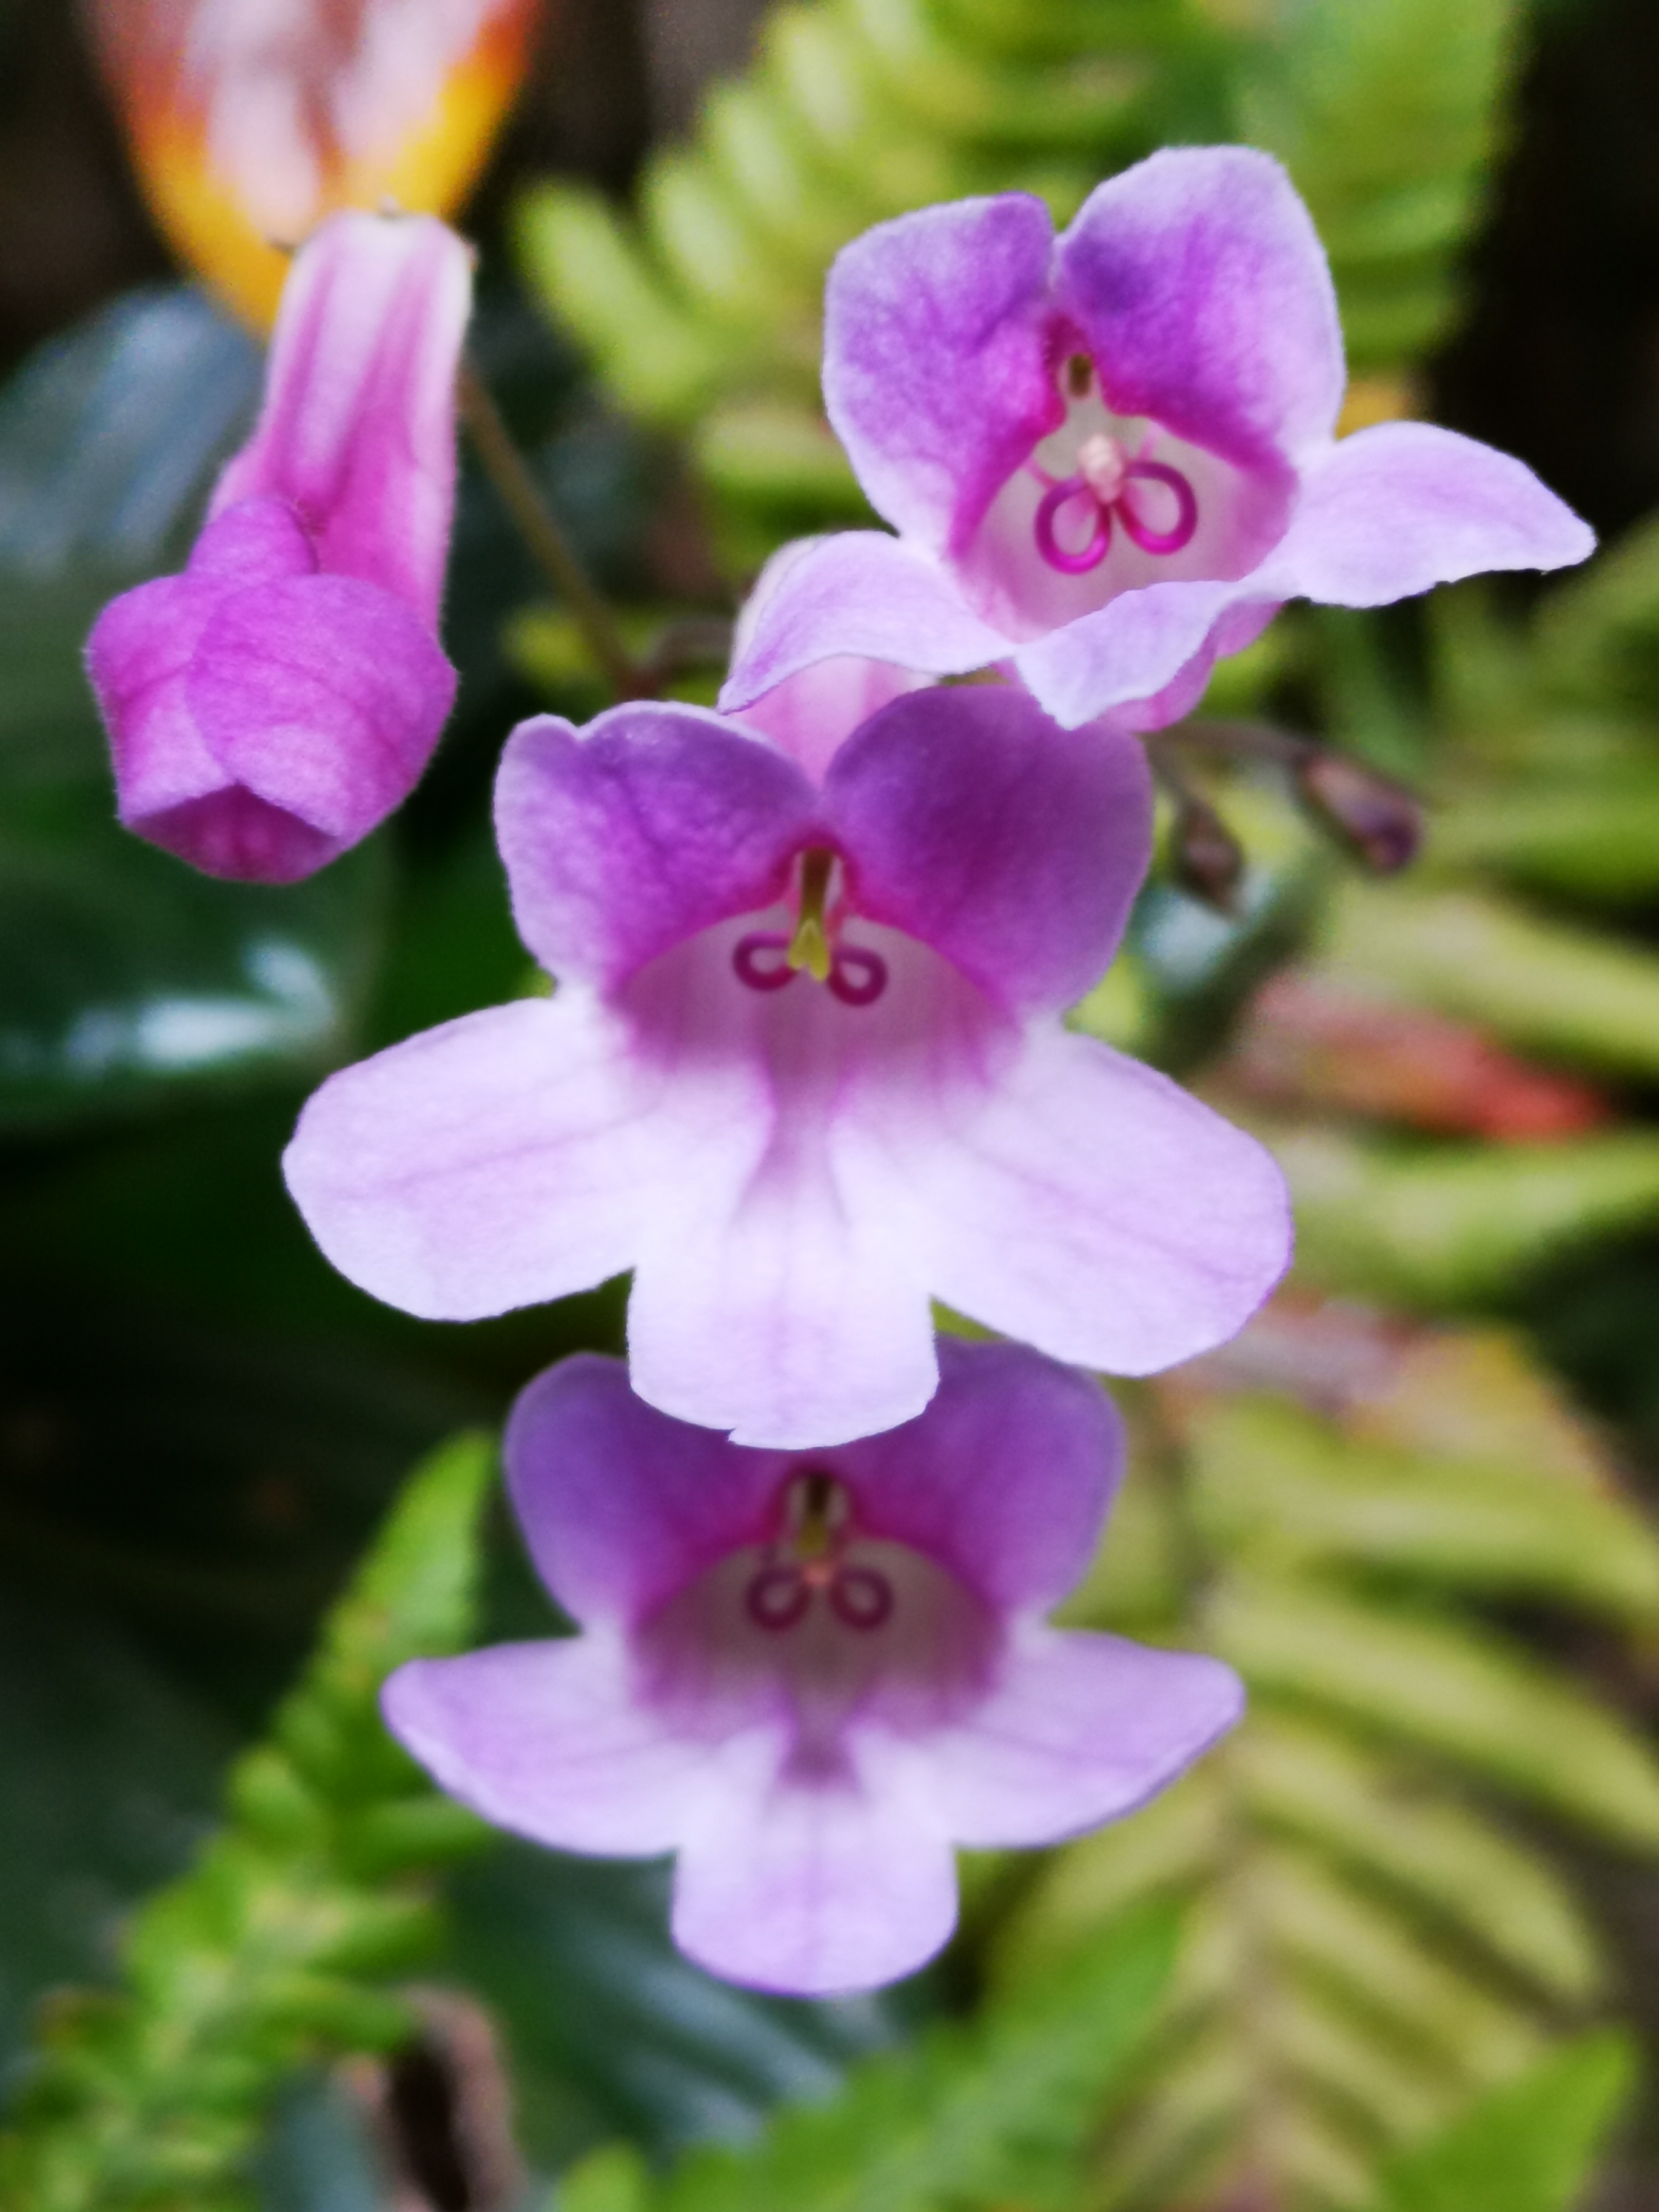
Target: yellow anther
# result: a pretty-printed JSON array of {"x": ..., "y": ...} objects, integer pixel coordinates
[{"x": 809, "y": 948}]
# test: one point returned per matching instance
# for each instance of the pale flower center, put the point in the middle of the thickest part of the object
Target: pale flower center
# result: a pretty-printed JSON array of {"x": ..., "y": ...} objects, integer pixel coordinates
[
  {"x": 1154, "y": 503},
  {"x": 820, "y": 1625}
]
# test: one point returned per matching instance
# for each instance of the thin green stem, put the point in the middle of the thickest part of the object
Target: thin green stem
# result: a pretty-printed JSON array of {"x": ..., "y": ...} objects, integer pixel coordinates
[{"x": 505, "y": 466}]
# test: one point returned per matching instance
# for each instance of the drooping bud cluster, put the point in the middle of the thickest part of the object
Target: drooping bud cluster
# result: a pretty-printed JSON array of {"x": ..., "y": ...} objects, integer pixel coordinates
[{"x": 805, "y": 1070}]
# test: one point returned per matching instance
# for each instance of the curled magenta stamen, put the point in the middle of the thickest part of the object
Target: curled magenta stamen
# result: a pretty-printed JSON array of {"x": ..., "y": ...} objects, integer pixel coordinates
[
  {"x": 861, "y": 1597},
  {"x": 857, "y": 976},
  {"x": 762, "y": 961},
  {"x": 1080, "y": 560},
  {"x": 777, "y": 1598},
  {"x": 1186, "y": 521},
  {"x": 1087, "y": 557}
]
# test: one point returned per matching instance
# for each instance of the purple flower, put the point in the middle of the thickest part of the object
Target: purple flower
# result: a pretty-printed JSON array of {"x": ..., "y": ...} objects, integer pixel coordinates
[
  {"x": 804, "y": 1069},
  {"x": 1110, "y": 457},
  {"x": 811, "y": 1677},
  {"x": 270, "y": 706}
]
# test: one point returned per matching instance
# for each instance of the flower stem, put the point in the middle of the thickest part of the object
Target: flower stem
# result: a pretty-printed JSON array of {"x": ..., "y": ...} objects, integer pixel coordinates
[{"x": 505, "y": 466}]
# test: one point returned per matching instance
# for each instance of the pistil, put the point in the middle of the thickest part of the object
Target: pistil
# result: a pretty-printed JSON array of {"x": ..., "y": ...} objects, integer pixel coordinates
[
  {"x": 767, "y": 960},
  {"x": 809, "y": 948}
]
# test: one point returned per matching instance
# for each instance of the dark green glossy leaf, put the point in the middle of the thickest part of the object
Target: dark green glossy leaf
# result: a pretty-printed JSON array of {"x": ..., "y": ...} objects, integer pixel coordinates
[
  {"x": 612, "y": 2031},
  {"x": 205, "y": 1484},
  {"x": 110, "y": 434},
  {"x": 108, "y": 1773},
  {"x": 317, "y": 2157}
]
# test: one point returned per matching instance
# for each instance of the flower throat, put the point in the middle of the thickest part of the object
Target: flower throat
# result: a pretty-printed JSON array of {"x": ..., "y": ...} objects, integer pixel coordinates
[
  {"x": 1100, "y": 490},
  {"x": 769, "y": 959}
]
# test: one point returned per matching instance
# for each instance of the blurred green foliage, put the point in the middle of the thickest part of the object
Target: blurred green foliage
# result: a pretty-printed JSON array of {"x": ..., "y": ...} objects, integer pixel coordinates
[
  {"x": 1372, "y": 1937},
  {"x": 970, "y": 2117},
  {"x": 702, "y": 314},
  {"x": 1528, "y": 2147},
  {"x": 272, "y": 1949}
]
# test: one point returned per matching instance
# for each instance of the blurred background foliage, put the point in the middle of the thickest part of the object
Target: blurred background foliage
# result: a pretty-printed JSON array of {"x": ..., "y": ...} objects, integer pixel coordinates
[{"x": 1365, "y": 1956}]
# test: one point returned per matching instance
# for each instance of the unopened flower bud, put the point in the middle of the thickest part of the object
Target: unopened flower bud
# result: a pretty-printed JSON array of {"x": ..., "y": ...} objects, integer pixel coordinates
[
  {"x": 1209, "y": 860},
  {"x": 270, "y": 706},
  {"x": 1379, "y": 818},
  {"x": 250, "y": 125}
]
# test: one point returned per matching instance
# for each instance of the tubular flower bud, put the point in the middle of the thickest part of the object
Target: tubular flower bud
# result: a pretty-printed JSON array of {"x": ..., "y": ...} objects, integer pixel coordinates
[
  {"x": 251, "y": 123},
  {"x": 810, "y": 1677},
  {"x": 270, "y": 706}
]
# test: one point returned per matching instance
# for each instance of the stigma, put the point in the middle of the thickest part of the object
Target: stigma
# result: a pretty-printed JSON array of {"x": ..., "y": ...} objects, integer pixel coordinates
[{"x": 809, "y": 948}]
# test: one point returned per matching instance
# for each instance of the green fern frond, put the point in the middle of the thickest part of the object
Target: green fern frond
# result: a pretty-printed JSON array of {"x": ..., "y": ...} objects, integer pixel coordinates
[
  {"x": 702, "y": 314},
  {"x": 1272, "y": 1482},
  {"x": 1529, "y": 2146},
  {"x": 276, "y": 1946},
  {"x": 1370, "y": 1939},
  {"x": 1563, "y": 990},
  {"x": 1388, "y": 1826},
  {"x": 1449, "y": 1225},
  {"x": 1387, "y": 117},
  {"x": 974, "y": 2116}
]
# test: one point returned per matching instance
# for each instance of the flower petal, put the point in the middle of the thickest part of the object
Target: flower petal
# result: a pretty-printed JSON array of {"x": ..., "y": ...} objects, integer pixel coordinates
[
  {"x": 143, "y": 642},
  {"x": 1143, "y": 660},
  {"x": 1014, "y": 848},
  {"x": 1403, "y": 505},
  {"x": 620, "y": 1505},
  {"x": 358, "y": 428},
  {"x": 137, "y": 657},
  {"x": 261, "y": 540},
  {"x": 656, "y": 823},
  {"x": 863, "y": 593},
  {"x": 1096, "y": 1211},
  {"x": 792, "y": 1313},
  {"x": 936, "y": 375},
  {"x": 229, "y": 832},
  {"x": 1005, "y": 1478},
  {"x": 322, "y": 695},
  {"x": 173, "y": 786},
  {"x": 1200, "y": 284},
  {"x": 816, "y": 1887},
  {"x": 810, "y": 716},
  {"x": 495, "y": 1161},
  {"x": 551, "y": 1740},
  {"x": 1080, "y": 1729}
]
